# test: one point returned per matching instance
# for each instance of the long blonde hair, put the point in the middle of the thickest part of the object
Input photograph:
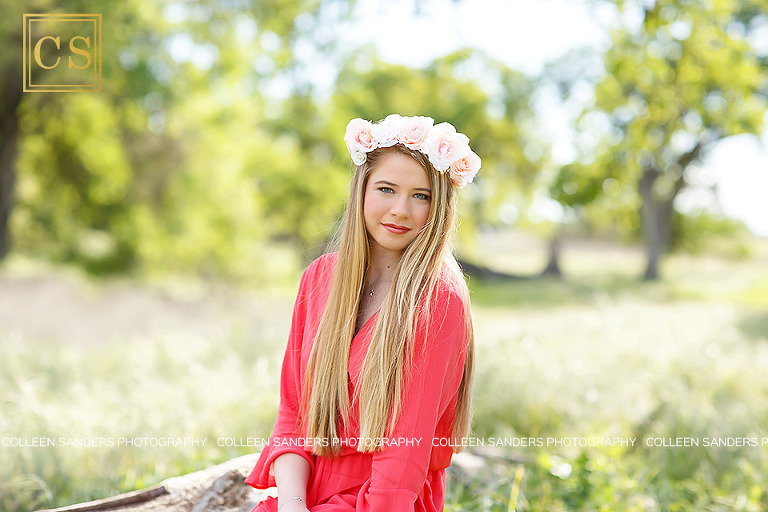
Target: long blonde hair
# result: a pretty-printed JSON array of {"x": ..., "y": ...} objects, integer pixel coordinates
[{"x": 326, "y": 400}]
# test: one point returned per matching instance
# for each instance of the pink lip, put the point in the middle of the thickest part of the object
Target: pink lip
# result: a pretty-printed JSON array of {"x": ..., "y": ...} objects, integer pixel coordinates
[{"x": 394, "y": 228}]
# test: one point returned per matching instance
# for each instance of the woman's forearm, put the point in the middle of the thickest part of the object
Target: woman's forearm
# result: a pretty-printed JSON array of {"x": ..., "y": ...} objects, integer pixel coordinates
[{"x": 291, "y": 476}]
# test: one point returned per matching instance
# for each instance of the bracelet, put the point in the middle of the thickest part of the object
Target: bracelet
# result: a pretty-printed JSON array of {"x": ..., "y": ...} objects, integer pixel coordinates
[{"x": 299, "y": 498}]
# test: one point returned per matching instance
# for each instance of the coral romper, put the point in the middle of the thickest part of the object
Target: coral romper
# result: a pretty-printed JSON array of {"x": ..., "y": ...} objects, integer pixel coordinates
[{"x": 409, "y": 474}]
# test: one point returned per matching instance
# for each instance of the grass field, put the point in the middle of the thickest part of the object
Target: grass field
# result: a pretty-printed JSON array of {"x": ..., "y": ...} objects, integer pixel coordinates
[{"x": 597, "y": 356}]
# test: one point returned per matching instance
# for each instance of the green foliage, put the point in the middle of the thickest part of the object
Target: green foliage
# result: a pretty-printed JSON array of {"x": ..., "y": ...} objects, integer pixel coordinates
[
  {"x": 77, "y": 176},
  {"x": 173, "y": 166},
  {"x": 190, "y": 166},
  {"x": 79, "y": 197},
  {"x": 704, "y": 232},
  {"x": 192, "y": 163},
  {"x": 683, "y": 79}
]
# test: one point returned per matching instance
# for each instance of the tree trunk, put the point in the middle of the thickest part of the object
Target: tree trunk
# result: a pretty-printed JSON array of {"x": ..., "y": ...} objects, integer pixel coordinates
[
  {"x": 9, "y": 129},
  {"x": 553, "y": 259},
  {"x": 650, "y": 215},
  {"x": 656, "y": 214}
]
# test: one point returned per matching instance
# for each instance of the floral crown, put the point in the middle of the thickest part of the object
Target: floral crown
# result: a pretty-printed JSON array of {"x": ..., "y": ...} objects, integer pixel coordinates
[{"x": 446, "y": 149}]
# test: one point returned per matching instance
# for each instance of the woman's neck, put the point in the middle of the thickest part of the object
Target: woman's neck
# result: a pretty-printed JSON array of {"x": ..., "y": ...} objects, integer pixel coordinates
[{"x": 382, "y": 265}]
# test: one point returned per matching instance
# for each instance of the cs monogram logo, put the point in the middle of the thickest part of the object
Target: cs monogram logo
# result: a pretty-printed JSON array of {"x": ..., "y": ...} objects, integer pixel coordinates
[{"x": 62, "y": 52}]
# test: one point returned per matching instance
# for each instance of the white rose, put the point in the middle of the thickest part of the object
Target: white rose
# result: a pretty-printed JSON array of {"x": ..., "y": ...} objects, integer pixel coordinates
[
  {"x": 358, "y": 157},
  {"x": 385, "y": 132}
]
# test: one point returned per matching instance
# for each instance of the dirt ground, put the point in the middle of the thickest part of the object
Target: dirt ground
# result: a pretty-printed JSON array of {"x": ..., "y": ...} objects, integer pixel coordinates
[{"x": 61, "y": 307}]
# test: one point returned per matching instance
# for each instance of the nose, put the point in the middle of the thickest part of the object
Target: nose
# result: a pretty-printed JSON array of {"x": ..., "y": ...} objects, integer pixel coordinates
[{"x": 401, "y": 207}]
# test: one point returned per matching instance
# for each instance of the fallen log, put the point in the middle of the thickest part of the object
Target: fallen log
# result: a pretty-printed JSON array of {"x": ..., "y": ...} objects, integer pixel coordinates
[{"x": 220, "y": 488}]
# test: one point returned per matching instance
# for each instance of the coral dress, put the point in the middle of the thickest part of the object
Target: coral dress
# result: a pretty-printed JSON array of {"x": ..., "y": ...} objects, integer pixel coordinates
[{"x": 409, "y": 474}]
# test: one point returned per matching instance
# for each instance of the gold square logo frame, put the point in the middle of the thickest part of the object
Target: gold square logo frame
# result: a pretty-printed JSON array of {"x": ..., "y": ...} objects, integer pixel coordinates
[{"x": 32, "y": 53}]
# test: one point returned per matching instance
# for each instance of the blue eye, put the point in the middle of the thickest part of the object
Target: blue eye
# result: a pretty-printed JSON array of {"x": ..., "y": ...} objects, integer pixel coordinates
[
  {"x": 423, "y": 197},
  {"x": 386, "y": 190}
]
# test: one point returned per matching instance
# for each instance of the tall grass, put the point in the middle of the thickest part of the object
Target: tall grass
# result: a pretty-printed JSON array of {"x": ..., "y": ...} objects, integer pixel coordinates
[
  {"x": 590, "y": 357},
  {"x": 165, "y": 387}
]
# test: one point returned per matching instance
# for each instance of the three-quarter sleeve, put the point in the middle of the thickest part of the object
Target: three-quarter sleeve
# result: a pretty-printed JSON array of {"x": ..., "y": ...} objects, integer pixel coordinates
[
  {"x": 399, "y": 471},
  {"x": 286, "y": 436}
]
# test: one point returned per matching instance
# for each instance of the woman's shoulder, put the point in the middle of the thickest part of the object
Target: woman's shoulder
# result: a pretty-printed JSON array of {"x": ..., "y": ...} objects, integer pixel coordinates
[
  {"x": 322, "y": 267},
  {"x": 451, "y": 282},
  {"x": 316, "y": 279},
  {"x": 449, "y": 304},
  {"x": 451, "y": 291},
  {"x": 323, "y": 261}
]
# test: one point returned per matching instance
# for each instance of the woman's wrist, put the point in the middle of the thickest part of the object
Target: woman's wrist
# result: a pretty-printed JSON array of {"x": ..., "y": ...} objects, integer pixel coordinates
[{"x": 294, "y": 498}]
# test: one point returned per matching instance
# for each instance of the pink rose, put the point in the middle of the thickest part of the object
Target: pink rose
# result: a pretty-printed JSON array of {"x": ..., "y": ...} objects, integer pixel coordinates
[
  {"x": 463, "y": 171},
  {"x": 385, "y": 132},
  {"x": 414, "y": 131},
  {"x": 444, "y": 146},
  {"x": 359, "y": 136}
]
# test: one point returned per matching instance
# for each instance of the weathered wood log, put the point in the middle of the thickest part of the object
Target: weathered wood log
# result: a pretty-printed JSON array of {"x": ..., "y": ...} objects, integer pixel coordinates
[
  {"x": 124, "y": 500},
  {"x": 220, "y": 488}
]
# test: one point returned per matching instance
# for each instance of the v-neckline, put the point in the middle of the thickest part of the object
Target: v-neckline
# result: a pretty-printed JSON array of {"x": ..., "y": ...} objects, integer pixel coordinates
[{"x": 374, "y": 315}]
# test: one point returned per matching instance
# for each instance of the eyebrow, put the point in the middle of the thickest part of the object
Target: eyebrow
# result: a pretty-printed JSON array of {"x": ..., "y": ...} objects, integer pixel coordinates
[{"x": 396, "y": 185}]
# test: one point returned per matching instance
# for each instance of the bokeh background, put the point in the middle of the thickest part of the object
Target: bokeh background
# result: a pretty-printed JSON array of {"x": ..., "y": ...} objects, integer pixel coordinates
[{"x": 152, "y": 236}]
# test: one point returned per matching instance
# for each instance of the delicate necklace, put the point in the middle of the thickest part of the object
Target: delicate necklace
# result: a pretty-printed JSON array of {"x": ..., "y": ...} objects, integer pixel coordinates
[{"x": 373, "y": 287}]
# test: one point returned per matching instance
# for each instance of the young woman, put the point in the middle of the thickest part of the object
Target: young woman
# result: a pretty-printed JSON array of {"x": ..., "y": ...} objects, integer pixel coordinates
[{"x": 375, "y": 391}]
